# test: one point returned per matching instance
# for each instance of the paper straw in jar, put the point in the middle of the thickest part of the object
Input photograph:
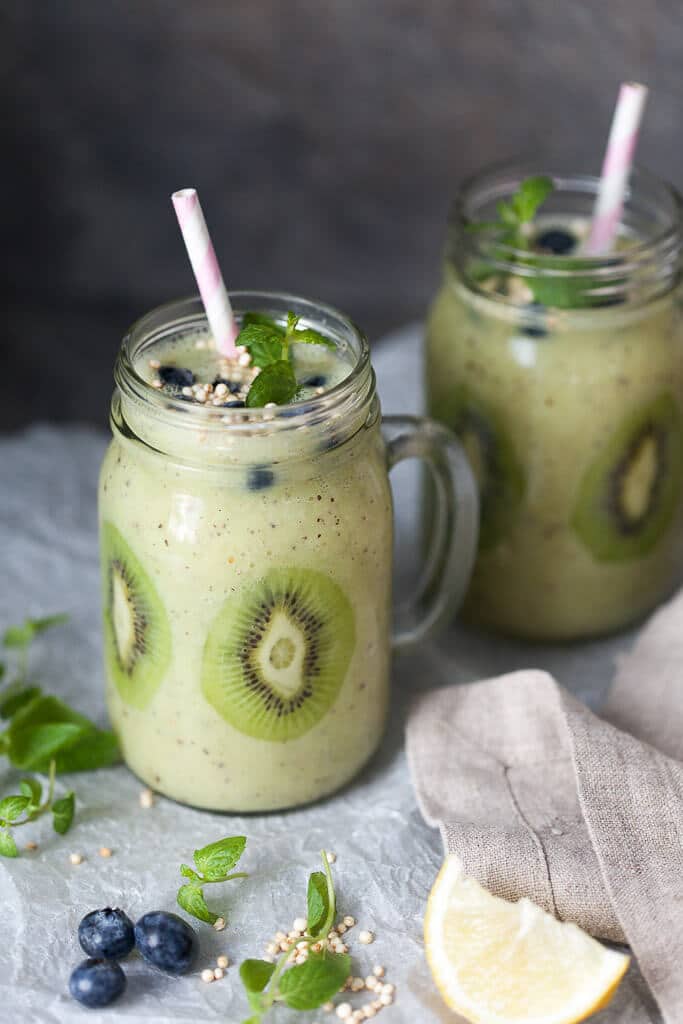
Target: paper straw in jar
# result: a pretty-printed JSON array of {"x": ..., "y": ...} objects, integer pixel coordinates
[
  {"x": 206, "y": 270},
  {"x": 616, "y": 167}
]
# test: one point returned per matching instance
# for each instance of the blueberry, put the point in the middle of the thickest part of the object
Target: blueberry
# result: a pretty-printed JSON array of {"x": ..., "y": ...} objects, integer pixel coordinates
[
  {"x": 232, "y": 387},
  {"x": 534, "y": 328},
  {"x": 557, "y": 241},
  {"x": 234, "y": 405},
  {"x": 315, "y": 382},
  {"x": 176, "y": 375},
  {"x": 97, "y": 982},
  {"x": 106, "y": 934},
  {"x": 166, "y": 941},
  {"x": 259, "y": 478}
]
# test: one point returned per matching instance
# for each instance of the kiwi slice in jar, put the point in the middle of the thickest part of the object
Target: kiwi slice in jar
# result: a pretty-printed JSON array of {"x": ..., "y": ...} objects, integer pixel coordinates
[
  {"x": 278, "y": 652},
  {"x": 628, "y": 496},
  {"x": 493, "y": 459},
  {"x": 137, "y": 634}
]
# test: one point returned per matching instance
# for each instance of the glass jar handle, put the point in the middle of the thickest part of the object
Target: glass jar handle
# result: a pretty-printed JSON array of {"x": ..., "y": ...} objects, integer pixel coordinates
[{"x": 454, "y": 532}]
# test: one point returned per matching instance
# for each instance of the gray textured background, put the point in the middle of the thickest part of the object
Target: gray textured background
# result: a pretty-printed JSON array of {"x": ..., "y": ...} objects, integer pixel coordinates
[{"x": 325, "y": 137}]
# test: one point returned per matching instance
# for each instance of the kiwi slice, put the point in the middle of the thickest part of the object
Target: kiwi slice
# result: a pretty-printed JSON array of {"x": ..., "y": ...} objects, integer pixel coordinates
[
  {"x": 137, "y": 635},
  {"x": 493, "y": 459},
  {"x": 277, "y": 654},
  {"x": 628, "y": 496}
]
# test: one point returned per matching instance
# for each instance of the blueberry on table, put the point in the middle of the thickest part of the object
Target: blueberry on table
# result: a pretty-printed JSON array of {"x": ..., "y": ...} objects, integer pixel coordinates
[
  {"x": 97, "y": 983},
  {"x": 166, "y": 941},
  {"x": 106, "y": 934},
  {"x": 557, "y": 241},
  {"x": 176, "y": 375},
  {"x": 258, "y": 478}
]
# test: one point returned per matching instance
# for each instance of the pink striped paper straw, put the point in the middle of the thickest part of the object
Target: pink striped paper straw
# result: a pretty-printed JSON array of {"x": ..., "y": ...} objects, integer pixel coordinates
[
  {"x": 206, "y": 270},
  {"x": 616, "y": 167}
]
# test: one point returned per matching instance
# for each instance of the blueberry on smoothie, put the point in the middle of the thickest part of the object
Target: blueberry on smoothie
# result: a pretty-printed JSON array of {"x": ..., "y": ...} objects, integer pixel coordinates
[
  {"x": 96, "y": 983},
  {"x": 234, "y": 405},
  {"x": 533, "y": 327},
  {"x": 106, "y": 934},
  {"x": 176, "y": 376},
  {"x": 258, "y": 478},
  {"x": 166, "y": 941},
  {"x": 556, "y": 241},
  {"x": 315, "y": 382},
  {"x": 231, "y": 385}
]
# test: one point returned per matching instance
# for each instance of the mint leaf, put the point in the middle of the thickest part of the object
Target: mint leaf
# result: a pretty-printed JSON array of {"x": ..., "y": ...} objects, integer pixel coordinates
[
  {"x": 21, "y": 636},
  {"x": 33, "y": 746},
  {"x": 217, "y": 859},
  {"x": 276, "y": 383},
  {"x": 191, "y": 899},
  {"x": 261, "y": 318},
  {"x": 32, "y": 789},
  {"x": 98, "y": 748},
  {"x": 187, "y": 872},
  {"x": 40, "y": 625},
  {"x": 531, "y": 194},
  {"x": 263, "y": 343},
  {"x": 63, "y": 813},
  {"x": 318, "y": 902},
  {"x": 18, "y": 636},
  {"x": 12, "y": 807},
  {"x": 14, "y": 698},
  {"x": 8, "y": 848},
  {"x": 3, "y": 669},
  {"x": 256, "y": 974},
  {"x": 307, "y": 336},
  {"x": 311, "y": 984}
]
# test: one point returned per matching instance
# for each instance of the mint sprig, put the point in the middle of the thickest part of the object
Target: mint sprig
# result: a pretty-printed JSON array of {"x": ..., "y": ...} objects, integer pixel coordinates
[
  {"x": 518, "y": 211},
  {"x": 28, "y": 805},
  {"x": 269, "y": 345},
  {"x": 42, "y": 734},
  {"x": 305, "y": 986},
  {"x": 213, "y": 863}
]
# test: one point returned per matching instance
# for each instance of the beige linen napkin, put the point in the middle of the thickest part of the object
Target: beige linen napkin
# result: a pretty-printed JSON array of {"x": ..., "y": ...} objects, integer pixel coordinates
[{"x": 542, "y": 798}]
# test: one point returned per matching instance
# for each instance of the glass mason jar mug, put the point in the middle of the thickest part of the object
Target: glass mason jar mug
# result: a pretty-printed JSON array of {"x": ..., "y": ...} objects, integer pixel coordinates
[
  {"x": 563, "y": 376},
  {"x": 246, "y": 565}
]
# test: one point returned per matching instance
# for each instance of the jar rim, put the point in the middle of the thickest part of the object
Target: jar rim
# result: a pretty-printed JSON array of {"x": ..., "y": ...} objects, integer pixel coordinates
[
  {"x": 353, "y": 390},
  {"x": 654, "y": 258}
]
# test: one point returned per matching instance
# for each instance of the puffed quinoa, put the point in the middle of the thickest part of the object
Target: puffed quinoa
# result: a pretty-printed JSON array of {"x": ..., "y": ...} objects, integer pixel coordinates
[
  {"x": 378, "y": 971},
  {"x": 76, "y": 858},
  {"x": 371, "y": 983},
  {"x": 207, "y": 975},
  {"x": 31, "y": 845},
  {"x": 388, "y": 989},
  {"x": 328, "y": 1007},
  {"x": 386, "y": 999},
  {"x": 219, "y": 924},
  {"x": 218, "y": 973},
  {"x": 369, "y": 1011},
  {"x": 105, "y": 851},
  {"x": 331, "y": 856},
  {"x": 223, "y": 961},
  {"x": 299, "y": 924},
  {"x": 341, "y": 928},
  {"x": 365, "y": 938},
  {"x": 146, "y": 798},
  {"x": 344, "y": 1010},
  {"x": 349, "y": 921},
  {"x": 279, "y": 937}
]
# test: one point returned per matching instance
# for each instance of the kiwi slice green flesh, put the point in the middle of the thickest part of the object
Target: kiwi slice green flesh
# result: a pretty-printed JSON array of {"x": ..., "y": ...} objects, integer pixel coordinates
[
  {"x": 278, "y": 652},
  {"x": 137, "y": 635},
  {"x": 493, "y": 459},
  {"x": 628, "y": 496}
]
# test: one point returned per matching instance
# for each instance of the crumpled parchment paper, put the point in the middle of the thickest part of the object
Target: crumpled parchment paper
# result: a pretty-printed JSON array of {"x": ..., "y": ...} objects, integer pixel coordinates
[{"x": 387, "y": 856}]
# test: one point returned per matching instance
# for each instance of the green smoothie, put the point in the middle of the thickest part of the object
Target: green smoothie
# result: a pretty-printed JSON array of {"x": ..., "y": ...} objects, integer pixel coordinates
[
  {"x": 246, "y": 559},
  {"x": 564, "y": 379}
]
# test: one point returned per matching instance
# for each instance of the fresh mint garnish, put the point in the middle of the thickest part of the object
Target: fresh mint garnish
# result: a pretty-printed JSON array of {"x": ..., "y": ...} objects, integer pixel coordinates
[
  {"x": 269, "y": 345},
  {"x": 213, "y": 863},
  {"x": 22, "y": 808},
  {"x": 304, "y": 986},
  {"x": 517, "y": 211},
  {"x": 42, "y": 734}
]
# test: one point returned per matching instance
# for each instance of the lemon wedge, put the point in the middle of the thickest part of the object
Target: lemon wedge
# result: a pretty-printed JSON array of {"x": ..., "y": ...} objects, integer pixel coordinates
[{"x": 497, "y": 962}]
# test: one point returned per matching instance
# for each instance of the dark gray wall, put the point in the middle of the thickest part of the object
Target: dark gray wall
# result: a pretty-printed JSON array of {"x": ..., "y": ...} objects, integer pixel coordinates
[{"x": 325, "y": 139}]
